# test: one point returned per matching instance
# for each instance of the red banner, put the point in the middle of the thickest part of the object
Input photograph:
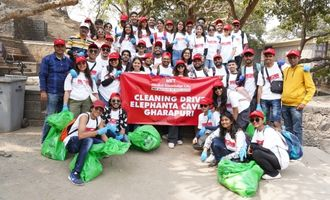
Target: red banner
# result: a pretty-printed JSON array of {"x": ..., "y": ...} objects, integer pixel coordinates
[{"x": 163, "y": 100}]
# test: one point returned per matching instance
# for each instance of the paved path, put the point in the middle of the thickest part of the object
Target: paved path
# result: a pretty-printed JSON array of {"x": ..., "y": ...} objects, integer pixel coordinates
[{"x": 161, "y": 174}]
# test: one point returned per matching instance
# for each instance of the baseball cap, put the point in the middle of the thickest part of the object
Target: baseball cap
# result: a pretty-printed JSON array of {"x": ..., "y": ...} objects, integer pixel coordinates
[
  {"x": 93, "y": 46},
  {"x": 114, "y": 55},
  {"x": 216, "y": 56},
  {"x": 227, "y": 27},
  {"x": 88, "y": 20},
  {"x": 218, "y": 21},
  {"x": 257, "y": 113},
  {"x": 197, "y": 57},
  {"x": 166, "y": 54},
  {"x": 168, "y": 22},
  {"x": 105, "y": 45},
  {"x": 269, "y": 51},
  {"x": 205, "y": 101},
  {"x": 108, "y": 37},
  {"x": 142, "y": 19},
  {"x": 80, "y": 59},
  {"x": 236, "y": 21},
  {"x": 142, "y": 42},
  {"x": 84, "y": 24},
  {"x": 114, "y": 94},
  {"x": 248, "y": 50},
  {"x": 180, "y": 62},
  {"x": 59, "y": 42},
  {"x": 123, "y": 18},
  {"x": 293, "y": 53},
  {"x": 189, "y": 22},
  {"x": 158, "y": 44},
  {"x": 98, "y": 104}
]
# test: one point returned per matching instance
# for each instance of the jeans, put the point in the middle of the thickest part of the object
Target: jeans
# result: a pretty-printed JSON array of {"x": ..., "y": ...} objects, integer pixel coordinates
[
  {"x": 293, "y": 120},
  {"x": 111, "y": 134},
  {"x": 209, "y": 64},
  {"x": 174, "y": 134},
  {"x": 266, "y": 160},
  {"x": 104, "y": 100},
  {"x": 272, "y": 108},
  {"x": 81, "y": 147},
  {"x": 176, "y": 56},
  {"x": 54, "y": 105},
  {"x": 219, "y": 148}
]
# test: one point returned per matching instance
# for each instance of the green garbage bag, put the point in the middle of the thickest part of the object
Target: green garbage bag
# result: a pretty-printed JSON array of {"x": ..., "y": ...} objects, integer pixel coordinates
[
  {"x": 145, "y": 138},
  {"x": 250, "y": 130},
  {"x": 92, "y": 166},
  {"x": 53, "y": 147},
  {"x": 241, "y": 178},
  {"x": 60, "y": 120}
]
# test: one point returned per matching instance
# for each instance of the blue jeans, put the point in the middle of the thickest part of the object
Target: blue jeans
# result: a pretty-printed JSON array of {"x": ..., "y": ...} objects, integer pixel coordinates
[
  {"x": 103, "y": 99},
  {"x": 209, "y": 64},
  {"x": 219, "y": 148},
  {"x": 176, "y": 56},
  {"x": 111, "y": 134},
  {"x": 81, "y": 147},
  {"x": 293, "y": 120},
  {"x": 272, "y": 108},
  {"x": 54, "y": 105}
]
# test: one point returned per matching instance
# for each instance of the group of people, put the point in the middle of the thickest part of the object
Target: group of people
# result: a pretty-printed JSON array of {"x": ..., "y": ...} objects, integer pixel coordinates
[{"x": 87, "y": 83}]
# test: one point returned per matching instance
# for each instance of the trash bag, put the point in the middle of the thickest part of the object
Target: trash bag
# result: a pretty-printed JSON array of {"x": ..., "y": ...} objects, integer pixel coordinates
[
  {"x": 145, "y": 138},
  {"x": 60, "y": 120},
  {"x": 241, "y": 178},
  {"x": 250, "y": 130},
  {"x": 92, "y": 165},
  {"x": 53, "y": 147}
]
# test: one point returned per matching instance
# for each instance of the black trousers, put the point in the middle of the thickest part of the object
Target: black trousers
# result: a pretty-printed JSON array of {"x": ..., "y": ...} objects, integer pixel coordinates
[{"x": 266, "y": 160}]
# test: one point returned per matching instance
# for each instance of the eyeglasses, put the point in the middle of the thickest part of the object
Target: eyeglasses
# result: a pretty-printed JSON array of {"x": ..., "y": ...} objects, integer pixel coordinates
[
  {"x": 203, "y": 105},
  {"x": 115, "y": 101},
  {"x": 93, "y": 51},
  {"x": 257, "y": 119},
  {"x": 106, "y": 49}
]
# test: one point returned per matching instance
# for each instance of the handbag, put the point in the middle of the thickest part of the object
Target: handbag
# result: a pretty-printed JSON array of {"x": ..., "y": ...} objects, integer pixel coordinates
[{"x": 277, "y": 85}]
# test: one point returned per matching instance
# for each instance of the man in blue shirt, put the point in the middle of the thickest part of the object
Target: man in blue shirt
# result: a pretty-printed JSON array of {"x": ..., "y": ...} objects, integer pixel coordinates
[{"x": 53, "y": 71}]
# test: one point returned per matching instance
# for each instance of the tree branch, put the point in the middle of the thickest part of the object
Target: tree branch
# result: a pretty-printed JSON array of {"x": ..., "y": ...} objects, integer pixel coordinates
[
  {"x": 249, "y": 9},
  {"x": 232, "y": 8},
  {"x": 25, "y": 12},
  {"x": 316, "y": 36},
  {"x": 114, "y": 5},
  {"x": 316, "y": 59}
]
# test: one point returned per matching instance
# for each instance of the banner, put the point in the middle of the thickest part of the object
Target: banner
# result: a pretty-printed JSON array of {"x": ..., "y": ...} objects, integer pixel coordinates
[{"x": 160, "y": 100}]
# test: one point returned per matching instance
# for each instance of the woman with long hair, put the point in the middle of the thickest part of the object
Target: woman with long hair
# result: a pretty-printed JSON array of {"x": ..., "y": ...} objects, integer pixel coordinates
[
  {"x": 180, "y": 69},
  {"x": 144, "y": 33},
  {"x": 100, "y": 37},
  {"x": 127, "y": 40},
  {"x": 187, "y": 58},
  {"x": 180, "y": 41},
  {"x": 137, "y": 66},
  {"x": 198, "y": 45}
]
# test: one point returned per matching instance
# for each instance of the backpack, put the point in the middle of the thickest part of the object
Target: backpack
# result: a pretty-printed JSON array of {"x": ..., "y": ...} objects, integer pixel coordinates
[
  {"x": 295, "y": 148},
  {"x": 66, "y": 131},
  {"x": 257, "y": 67}
]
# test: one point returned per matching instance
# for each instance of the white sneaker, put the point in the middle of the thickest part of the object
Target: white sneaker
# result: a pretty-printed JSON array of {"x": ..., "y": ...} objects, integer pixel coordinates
[
  {"x": 171, "y": 145},
  {"x": 268, "y": 177},
  {"x": 210, "y": 159},
  {"x": 179, "y": 142}
]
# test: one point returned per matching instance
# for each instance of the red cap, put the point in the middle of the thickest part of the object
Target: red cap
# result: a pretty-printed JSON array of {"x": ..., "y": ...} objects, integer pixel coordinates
[
  {"x": 59, "y": 42},
  {"x": 269, "y": 51},
  {"x": 180, "y": 62},
  {"x": 123, "y": 18},
  {"x": 227, "y": 27},
  {"x": 218, "y": 21},
  {"x": 143, "y": 19},
  {"x": 109, "y": 37},
  {"x": 158, "y": 44},
  {"x": 105, "y": 45},
  {"x": 142, "y": 42},
  {"x": 205, "y": 101},
  {"x": 148, "y": 55},
  {"x": 197, "y": 57},
  {"x": 80, "y": 59},
  {"x": 114, "y": 94},
  {"x": 166, "y": 54},
  {"x": 98, "y": 104},
  {"x": 257, "y": 113},
  {"x": 88, "y": 20},
  {"x": 189, "y": 22},
  {"x": 218, "y": 83},
  {"x": 236, "y": 21},
  {"x": 293, "y": 53},
  {"x": 114, "y": 55},
  {"x": 248, "y": 50},
  {"x": 93, "y": 46},
  {"x": 168, "y": 22},
  {"x": 216, "y": 56}
]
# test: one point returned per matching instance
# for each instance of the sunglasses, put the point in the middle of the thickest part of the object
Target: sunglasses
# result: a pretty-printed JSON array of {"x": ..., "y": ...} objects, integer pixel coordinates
[
  {"x": 203, "y": 105},
  {"x": 115, "y": 101},
  {"x": 236, "y": 25},
  {"x": 180, "y": 66},
  {"x": 248, "y": 55},
  {"x": 217, "y": 88},
  {"x": 106, "y": 49},
  {"x": 93, "y": 51},
  {"x": 257, "y": 119}
]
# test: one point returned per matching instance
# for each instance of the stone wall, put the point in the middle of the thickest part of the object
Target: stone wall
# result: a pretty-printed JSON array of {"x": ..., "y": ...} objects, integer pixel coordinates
[
  {"x": 7, "y": 29},
  {"x": 30, "y": 29},
  {"x": 38, "y": 49},
  {"x": 34, "y": 110}
]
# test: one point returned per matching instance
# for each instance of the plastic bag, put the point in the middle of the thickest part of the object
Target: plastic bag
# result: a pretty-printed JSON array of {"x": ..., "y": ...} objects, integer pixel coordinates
[
  {"x": 53, "y": 147},
  {"x": 241, "y": 178},
  {"x": 92, "y": 165},
  {"x": 60, "y": 120},
  {"x": 250, "y": 130},
  {"x": 145, "y": 138}
]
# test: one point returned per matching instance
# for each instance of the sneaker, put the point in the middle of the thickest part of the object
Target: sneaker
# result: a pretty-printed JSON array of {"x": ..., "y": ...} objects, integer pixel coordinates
[
  {"x": 214, "y": 163},
  {"x": 268, "y": 177},
  {"x": 171, "y": 145},
  {"x": 75, "y": 178},
  {"x": 179, "y": 142},
  {"x": 210, "y": 158}
]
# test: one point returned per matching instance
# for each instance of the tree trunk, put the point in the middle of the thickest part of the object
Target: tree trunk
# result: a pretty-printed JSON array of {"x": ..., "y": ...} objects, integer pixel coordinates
[{"x": 25, "y": 12}]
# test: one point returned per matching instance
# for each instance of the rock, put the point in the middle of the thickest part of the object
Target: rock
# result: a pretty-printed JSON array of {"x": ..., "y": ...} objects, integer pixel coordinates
[
  {"x": 325, "y": 145},
  {"x": 324, "y": 125}
]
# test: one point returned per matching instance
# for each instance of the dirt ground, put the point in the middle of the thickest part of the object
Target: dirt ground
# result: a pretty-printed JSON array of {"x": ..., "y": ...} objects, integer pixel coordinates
[{"x": 161, "y": 174}]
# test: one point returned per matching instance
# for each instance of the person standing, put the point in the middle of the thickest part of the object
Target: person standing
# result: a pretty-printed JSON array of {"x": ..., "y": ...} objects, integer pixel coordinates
[
  {"x": 241, "y": 40},
  {"x": 53, "y": 70},
  {"x": 298, "y": 90}
]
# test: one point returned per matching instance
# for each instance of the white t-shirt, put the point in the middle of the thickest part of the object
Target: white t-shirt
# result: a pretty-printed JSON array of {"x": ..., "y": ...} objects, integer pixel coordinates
[
  {"x": 238, "y": 40},
  {"x": 97, "y": 68},
  {"x": 274, "y": 74},
  {"x": 250, "y": 84},
  {"x": 213, "y": 45},
  {"x": 181, "y": 44},
  {"x": 157, "y": 60},
  {"x": 270, "y": 139},
  {"x": 200, "y": 73},
  {"x": 163, "y": 70},
  {"x": 227, "y": 46},
  {"x": 103, "y": 62},
  {"x": 198, "y": 45},
  {"x": 169, "y": 37},
  {"x": 160, "y": 36},
  {"x": 113, "y": 87},
  {"x": 190, "y": 38},
  {"x": 222, "y": 73},
  {"x": 91, "y": 125},
  {"x": 144, "y": 37},
  {"x": 236, "y": 100},
  {"x": 126, "y": 44},
  {"x": 204, "y": 121},
  {"x": 235, "y": 145},
  {"x": 232, "y": 82},
  {"x": 79, "y": 87}
]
